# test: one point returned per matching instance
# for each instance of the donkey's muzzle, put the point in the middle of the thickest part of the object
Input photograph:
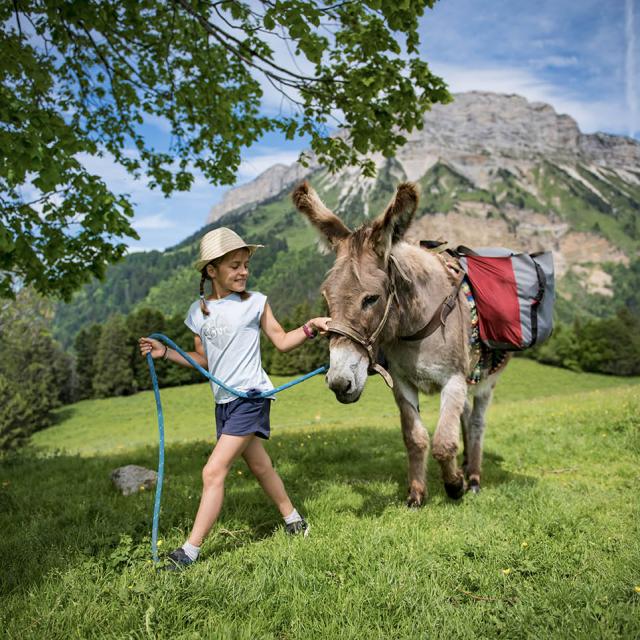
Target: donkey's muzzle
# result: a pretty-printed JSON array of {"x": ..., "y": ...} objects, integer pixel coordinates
[{"x": 341, "y": 329}]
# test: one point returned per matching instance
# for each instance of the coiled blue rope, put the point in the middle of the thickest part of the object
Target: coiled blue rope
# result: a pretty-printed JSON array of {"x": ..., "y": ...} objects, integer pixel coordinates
[{"x": 206, "y": 374}]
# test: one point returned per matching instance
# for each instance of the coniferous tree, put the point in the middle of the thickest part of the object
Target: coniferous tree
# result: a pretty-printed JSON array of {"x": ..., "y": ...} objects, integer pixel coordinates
[
  {"x": 113, "y": 369},
  {"x": 611, "y": 345},
  {"x": 86, "y": 346},
  {"x": 144, "y": 322},
  {"x": 44, "y": 372},
  {"x": 313, "y": 353},
  {"x": 310, "y": 355},
  {"x": 284, "y": 364},
  {"x": 16, "y": 417}
]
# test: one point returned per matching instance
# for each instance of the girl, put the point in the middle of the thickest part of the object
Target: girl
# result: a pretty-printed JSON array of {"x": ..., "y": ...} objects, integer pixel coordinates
[{"x": 226, "y": 328}]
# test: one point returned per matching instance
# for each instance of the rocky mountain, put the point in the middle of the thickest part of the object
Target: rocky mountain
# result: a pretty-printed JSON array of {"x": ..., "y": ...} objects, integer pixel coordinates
[
  {"x": 475, "y": 133},
  {"x": 494, "y": 170},
  {"x": 268, "y": 184}
]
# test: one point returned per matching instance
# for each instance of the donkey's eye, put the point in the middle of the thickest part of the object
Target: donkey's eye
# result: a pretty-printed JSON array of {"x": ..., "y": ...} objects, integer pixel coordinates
[{"x": 369, "y": 300}]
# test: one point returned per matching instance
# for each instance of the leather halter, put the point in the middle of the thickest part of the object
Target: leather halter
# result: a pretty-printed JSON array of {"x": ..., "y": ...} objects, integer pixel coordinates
[{"x": 438, "y": 319}]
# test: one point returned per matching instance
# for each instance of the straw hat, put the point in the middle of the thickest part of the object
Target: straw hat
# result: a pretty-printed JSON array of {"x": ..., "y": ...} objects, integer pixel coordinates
[{"x": 218, "y": 242}]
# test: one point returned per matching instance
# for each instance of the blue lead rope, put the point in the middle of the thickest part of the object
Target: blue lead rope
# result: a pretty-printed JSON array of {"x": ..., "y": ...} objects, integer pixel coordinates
[{"x": 206, "y": 374}]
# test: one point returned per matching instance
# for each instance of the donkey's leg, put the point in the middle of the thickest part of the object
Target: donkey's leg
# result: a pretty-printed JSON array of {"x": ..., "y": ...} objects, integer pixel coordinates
[
  {"x": 464, "y": 421},
  {"x": 475, "y": 435},
  {"x": 416, "y": 440},
  {"x": 447, "y": 435}
]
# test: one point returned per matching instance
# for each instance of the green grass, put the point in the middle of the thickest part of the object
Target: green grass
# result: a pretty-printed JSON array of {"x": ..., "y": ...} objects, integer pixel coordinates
[{"x": 549, "y": 549}]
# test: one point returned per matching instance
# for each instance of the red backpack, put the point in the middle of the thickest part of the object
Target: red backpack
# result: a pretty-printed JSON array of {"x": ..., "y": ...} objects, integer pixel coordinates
[{"x": 514, "y": 294}]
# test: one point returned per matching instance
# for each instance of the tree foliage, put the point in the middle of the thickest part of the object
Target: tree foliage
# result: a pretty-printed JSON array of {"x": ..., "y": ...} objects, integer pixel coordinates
[
  {"x": 113, "y": 375},
  {"x": 82, "y": 78},
  {"x": 309, "y": 356},
  {"x": 35, "y": 374},
  {"x": 86, "y": 344},
  {"x": 609, "y": 345}
]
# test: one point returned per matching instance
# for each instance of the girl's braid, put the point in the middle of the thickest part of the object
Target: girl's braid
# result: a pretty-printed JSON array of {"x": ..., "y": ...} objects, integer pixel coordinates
[{"x": 203, "y": 304}]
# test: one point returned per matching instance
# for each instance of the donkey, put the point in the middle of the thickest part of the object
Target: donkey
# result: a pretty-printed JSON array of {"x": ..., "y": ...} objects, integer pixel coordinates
[{"x": 383, "y": 292}]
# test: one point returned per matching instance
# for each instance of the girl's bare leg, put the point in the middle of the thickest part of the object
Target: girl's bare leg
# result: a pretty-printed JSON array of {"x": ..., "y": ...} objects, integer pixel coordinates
[
  {"x": 228, "y": 449},
  {"x": 260, "y": 465}
]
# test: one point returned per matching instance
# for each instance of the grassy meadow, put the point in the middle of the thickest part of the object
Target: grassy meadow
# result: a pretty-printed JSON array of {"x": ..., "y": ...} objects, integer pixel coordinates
[{"x": 550, "y": 548}]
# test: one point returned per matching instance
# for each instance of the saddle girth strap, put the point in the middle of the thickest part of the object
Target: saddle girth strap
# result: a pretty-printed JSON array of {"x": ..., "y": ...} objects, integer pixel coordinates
[{"x": 439, "y": 317}]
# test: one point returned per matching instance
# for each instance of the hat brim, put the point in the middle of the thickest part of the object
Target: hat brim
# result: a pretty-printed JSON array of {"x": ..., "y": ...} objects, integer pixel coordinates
[{"x": 201, "y": 264}]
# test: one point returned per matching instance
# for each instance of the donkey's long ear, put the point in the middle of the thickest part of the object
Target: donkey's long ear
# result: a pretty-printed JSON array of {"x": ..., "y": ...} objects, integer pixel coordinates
[
  {"x": 390, "y": 227},
  {"x": 328, "y": 224}
]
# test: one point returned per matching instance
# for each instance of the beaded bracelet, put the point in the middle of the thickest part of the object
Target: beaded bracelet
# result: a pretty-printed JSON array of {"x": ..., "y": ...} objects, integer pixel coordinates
[{"x": 308, "y": 332}]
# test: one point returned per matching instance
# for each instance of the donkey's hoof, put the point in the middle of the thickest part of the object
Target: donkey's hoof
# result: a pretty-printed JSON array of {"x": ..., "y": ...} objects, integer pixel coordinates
[
  {"x": 455, "y": 490},
  {"x": 474, "y": 486},
  {"x": 415, "y": 500}
]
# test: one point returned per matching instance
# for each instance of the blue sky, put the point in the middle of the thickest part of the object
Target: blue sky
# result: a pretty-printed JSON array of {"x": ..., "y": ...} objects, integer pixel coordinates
[{"x": 581, "y": 56}]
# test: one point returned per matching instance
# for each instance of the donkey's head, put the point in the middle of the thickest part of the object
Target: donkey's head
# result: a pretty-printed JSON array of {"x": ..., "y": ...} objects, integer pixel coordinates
[{"x": 357, "y": 288}]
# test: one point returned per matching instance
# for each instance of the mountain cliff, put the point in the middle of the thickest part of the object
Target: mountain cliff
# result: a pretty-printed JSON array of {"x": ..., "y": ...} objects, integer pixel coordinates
[{"x": 477, "y": 134}]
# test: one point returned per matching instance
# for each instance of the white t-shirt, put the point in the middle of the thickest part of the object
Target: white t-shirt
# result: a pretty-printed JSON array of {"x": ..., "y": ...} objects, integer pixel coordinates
[{"x": 230, "y": 335}]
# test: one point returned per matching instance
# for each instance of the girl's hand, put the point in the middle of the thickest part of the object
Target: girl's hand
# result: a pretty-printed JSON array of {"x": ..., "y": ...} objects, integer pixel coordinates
[
  {"x": 319, "y": 324},
  {"x": 154, "y": 347}
]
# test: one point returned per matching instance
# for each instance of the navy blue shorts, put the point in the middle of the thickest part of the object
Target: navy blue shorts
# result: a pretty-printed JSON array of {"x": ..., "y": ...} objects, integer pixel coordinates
[{"x": 243, "y": 417}]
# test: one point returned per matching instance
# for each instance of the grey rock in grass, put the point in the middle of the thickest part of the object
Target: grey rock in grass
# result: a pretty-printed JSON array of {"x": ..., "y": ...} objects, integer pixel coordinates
[{"x": 132, "y": 478}]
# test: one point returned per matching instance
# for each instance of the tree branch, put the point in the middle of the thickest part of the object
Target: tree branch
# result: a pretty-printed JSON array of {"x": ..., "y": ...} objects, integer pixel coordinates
[
  {"x": 219, "y": 34},
  {"x": 15, "y": 9}
]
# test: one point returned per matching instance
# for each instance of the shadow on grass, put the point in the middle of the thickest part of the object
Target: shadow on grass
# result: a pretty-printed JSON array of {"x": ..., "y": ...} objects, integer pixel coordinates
[
  {"x": 55, "y": 511},
  {"x": 364, "y": 459},
  {"x": 63, "y": 414}
]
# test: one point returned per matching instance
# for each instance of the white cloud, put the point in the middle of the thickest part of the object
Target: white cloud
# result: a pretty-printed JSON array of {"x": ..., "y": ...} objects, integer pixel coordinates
[
  {"x": 630, "y": 72},
  {"x": 568, "y": 54},
  {"x": 115, "y": 176},
  {"x": 139, "y": 248},
  {"x": 154, "y": 222},
  {"x": 274, "y": 96},
  {"x": 558, "y": 62}
]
